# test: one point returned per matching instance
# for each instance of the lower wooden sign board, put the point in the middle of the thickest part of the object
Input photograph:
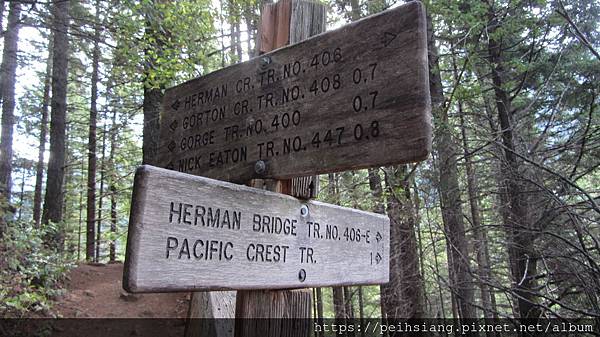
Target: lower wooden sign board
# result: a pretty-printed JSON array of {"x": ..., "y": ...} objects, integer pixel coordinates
[{"x": 194, "y": 233}]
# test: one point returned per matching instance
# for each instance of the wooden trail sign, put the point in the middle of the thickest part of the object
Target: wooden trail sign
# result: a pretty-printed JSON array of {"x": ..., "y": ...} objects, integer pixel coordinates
[
  {"x": 351, "y": 98},
  {"x": 194, "y": 233}
]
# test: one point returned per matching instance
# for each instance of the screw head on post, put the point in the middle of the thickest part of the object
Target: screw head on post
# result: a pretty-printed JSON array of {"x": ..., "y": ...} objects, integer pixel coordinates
[
  {"x": 304, "y": 210},
  {"x": 260, "y": 167},
  {"x": 302, "y": 275},
  {"x": 265, "y": 61}
]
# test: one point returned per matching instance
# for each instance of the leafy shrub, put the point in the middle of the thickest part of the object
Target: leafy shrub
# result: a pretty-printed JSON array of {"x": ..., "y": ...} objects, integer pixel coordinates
[{"x": 30, "y": 271}]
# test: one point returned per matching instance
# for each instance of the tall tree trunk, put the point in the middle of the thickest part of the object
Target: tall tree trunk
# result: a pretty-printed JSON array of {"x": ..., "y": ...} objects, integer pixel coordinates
[
  {"x": 348, "y": 302},
  {"x": 339, "y": 307},
  {"x": 101, "y": 192},
  {"x": 403, "y": 295},
  {"x": 361, "y": 309},
  {"x": 79, "y": 227},
  {"x": 21, "y": 195},
  {"x": 1, "y": 18},
  {"x": 113, "y": 188},
  {"x": 480, "y": 235},
  {"x": 319, "y": 315},
  {"x": 522, "y": 256},
  {"x": 92, "y": 161},
  {"x": 436, "y": 266},
  {"x": 153, "y": 93},
  {"x": 251, "y": 29},
  {"x": 68, "y": 178},
  {"x": 39, "y": 167},
  {"x": 480, "y": 244},
  {"x": 54, "y": 198},
  {"x": 152, "y": 101},
  {"x": 8, "y": 71},
  {"x": 450, "y": 197},
  {"x": 376, "y": 191},
  {"x": 378, "y": 207}
]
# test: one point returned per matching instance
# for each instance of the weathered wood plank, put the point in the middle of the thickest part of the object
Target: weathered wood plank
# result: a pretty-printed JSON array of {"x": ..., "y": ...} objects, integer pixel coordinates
[
  {"x": 281, "y": 306},
  {"x": 307, "y": 19},
  {"x": 194, "y": 233},
  {"x": 210, "y": 314},
  {"x": 352, "y": 98}
]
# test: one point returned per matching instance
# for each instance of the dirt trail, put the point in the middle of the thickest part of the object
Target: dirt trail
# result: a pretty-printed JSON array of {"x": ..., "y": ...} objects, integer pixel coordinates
[{"x": 95, "y": 291}]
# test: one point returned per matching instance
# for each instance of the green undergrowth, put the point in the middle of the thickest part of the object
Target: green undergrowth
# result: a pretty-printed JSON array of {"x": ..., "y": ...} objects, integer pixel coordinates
[{"x": 31, "y": 273}]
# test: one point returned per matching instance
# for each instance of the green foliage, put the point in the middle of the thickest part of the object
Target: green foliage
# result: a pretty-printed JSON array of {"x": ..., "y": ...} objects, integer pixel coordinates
[
  {"x": 30, "y": 272},
  {"x": 169, "y": 41}
]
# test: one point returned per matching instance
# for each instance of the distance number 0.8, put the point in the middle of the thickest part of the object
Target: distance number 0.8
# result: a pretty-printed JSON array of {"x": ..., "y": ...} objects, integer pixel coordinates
[{"x": 360, "y": 133}]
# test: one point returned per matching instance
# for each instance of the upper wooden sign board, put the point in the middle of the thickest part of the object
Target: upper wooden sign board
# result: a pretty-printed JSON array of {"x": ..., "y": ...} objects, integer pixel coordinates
[
  {"x": 351, "y": 98},
  {"x": 194, "y": 233}
]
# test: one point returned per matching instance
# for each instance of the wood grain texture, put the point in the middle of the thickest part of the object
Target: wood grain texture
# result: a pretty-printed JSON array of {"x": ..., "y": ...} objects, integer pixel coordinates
[
  {"x": 176, "y": 241},
  {"x": 358, "y": 114},
  {"x": 274, "y": 310},
  {"x": 211, "y": 314},
  {"x": 275, "y": 25},
  {"x": 307, "y": 19}
]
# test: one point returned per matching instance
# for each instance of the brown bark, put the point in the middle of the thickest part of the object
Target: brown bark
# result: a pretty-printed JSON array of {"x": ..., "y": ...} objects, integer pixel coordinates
[
  {"x": 92, "y": 161},
  {"x": 39, "y": 167},
  {"x": 151, "y": 107},
  {"x": 403, "y": 295},
  {"x": 319, "y": 314},
  {"x": 153, "y": 93},
  {"x": 339, "y": 307},
  {"x": 54, "y": 198},
  {"x": 376, "y": 191},
  {"x": 378, "y": 207},
  {"x": 522, "y": 256},
  {"x": 461, "y": 282},
  {"x": 113, "y": 188},
  {"x": 80, "y": 223},
  {"x": 8, "y": 70},
  {"x": 101, "y": 193},
  {"x": 348, "y": 302},
  {"x": 361, "y": 309},
  {"x": 2, "y": 16},
  {"x": 488, "y": 300},
  {"x": 21, "y": 194}
]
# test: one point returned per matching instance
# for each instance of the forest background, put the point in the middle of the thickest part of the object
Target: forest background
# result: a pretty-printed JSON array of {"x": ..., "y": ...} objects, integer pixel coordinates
[{"x": 502, "y": 220}]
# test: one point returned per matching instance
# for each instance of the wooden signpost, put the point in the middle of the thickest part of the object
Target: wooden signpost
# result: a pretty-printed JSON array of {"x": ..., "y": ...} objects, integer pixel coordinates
[
  {"x": 351, "y": 98},
  {"x": 193, "y": 233}
]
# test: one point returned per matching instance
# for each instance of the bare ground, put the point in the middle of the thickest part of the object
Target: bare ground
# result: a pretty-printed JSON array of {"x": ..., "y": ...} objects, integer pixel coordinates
[
  {"x": 95, "y": 304},
  {"x": 95, "y": 291}
]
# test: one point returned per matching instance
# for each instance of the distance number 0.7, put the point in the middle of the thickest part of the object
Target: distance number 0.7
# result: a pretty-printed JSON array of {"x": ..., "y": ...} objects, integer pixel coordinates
[
  {"x": 358, "y": 77},
  {"x": 362, "y": 103}
]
